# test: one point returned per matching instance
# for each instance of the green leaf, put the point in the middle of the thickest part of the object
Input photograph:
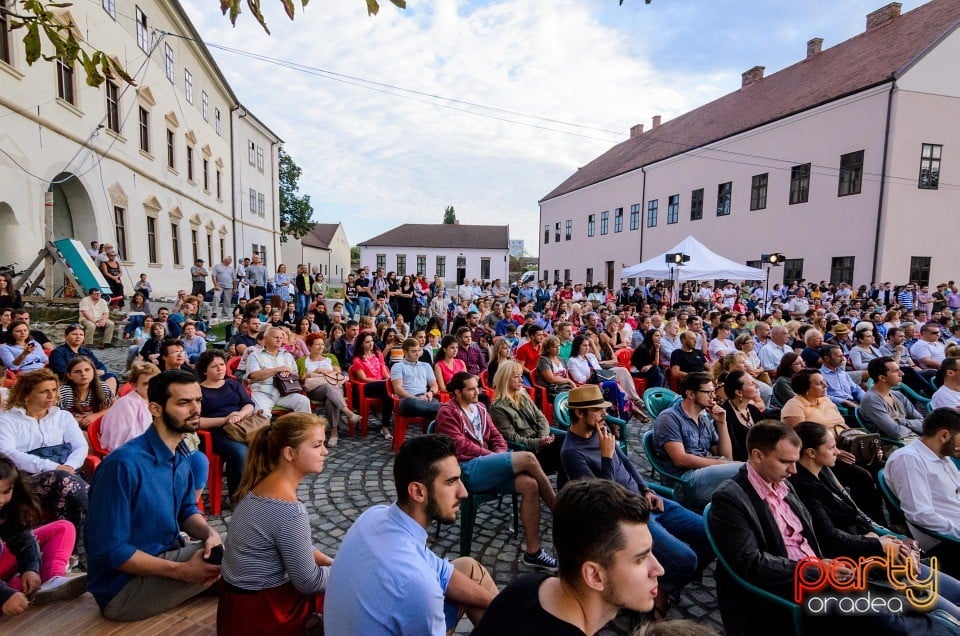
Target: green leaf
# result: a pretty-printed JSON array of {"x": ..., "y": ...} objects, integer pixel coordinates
[
  {"x": 400, "y": 3},
  {"x": 372, "y": 7},
  {"x": 288, "y": 7},
  {"x": 31, "y": 43}
]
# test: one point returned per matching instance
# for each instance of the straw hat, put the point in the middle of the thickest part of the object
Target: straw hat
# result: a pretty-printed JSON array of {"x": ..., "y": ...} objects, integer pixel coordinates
[
  {"x": 840, "y": 329},
  {"x": 587, "y": 396}
]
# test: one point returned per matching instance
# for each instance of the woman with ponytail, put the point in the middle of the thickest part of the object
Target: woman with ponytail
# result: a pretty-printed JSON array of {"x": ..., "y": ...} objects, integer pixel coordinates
[{"x": 273, "y": 577}]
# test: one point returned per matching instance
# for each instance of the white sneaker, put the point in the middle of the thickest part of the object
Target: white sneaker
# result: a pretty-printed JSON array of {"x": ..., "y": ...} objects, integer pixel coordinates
[{"x": 61, "y": 588}]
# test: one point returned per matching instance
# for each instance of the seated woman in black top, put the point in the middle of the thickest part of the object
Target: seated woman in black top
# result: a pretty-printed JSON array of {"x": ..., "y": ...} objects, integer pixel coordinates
[
  {"x": 224, "y": 400},
  {"x": 841, "y": 528},
  {"x": 741, "y": 391},
  {"x": 646, "y": 359}
]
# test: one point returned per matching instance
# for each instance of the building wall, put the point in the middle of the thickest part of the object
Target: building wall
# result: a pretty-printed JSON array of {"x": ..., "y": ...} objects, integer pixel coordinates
[
  {"x": 826, "y": 226},
  {"x": 333, "y": 263},
  {"x": 256, "y": 189},
  {"x": 499, "y": 262},
  {"x": 96, "y": 171}
]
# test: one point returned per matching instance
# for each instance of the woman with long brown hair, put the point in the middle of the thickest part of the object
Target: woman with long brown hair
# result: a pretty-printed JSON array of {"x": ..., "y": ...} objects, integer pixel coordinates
[{"x": 273, "y": 576}]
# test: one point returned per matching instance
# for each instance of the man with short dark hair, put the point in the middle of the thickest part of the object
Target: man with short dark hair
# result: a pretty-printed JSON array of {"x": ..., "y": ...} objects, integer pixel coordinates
[
  {"x": 414, "y": 383},
  {"x": 948, "y": 395},
  {"x": 384, "y": 580},
  {"x": 884, "y": 410},
  {"x": 528, "y": 354},
  {"x": 687, "y": 359},
  {"x": 246, "y": 337},
  {"x": 482, "y": 453},
  {"x": 142, "y": 501},
  {"x": 198, "y": 277},
  {"x": 692, "y": 440},
  {"x": 343, "y": 346},
  {"x": 928, "y": 352},
  {"x": 470, "y": 352},
  {"x": 841, "y": 390},
  {"x": 606, "y": 563},
  {"x": 95, "y": 314}
]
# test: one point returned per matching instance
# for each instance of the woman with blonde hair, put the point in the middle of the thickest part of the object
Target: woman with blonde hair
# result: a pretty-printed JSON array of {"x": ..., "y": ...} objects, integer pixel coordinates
[
  {"x": 520, "y": 421},
  {"x": 736, "y": 361},
  {"x": 273, "y": 577}
]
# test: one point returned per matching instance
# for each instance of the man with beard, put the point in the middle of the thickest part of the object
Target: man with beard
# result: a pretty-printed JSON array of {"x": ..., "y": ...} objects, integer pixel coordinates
[
  {"x": 384, "y": 579},
  {"x": 143, "y": 507}
]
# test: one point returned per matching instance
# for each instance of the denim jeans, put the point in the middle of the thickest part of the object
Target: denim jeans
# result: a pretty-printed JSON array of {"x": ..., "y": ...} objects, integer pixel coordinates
[
  {"x": 234, "y": 453},
  {"x": 303, "y": 301},
  {"x": 701, "y": 482},
  {"x": 365, "y": 303},
  {"x": 679, "y": 543}
]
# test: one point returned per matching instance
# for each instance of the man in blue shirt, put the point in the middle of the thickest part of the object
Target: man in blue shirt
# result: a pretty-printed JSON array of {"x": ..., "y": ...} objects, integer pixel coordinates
[
  {"x": 384, "y": 579},
  {"x": 841, "y": 390},
  {"x": 415, "y": 383},
  {"x": 142, "y": 501}
]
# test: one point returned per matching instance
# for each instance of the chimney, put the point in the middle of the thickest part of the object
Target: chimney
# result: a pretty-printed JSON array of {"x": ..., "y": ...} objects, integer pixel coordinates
[
  {"x": 883, "y": 15},
  {"x": 814, "y": 46},
  {"x": 753, "y": 75},
  {"x": 656, "y": 122},
  {"x": 636, "y": 131}
]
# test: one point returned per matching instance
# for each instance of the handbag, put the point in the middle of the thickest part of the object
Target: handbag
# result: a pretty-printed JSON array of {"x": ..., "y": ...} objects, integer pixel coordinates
[
  {"x": 603, "y": 375},
  {"x": 287, "y": 385},
  {"x": 244, "y": 430},
  {"x": 57, "y": 453},
  {"x": 861, "y": 444}
]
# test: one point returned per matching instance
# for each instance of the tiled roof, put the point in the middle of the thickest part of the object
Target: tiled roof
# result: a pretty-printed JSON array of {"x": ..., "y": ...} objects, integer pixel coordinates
[
  {"x": 491, "y": 237},
  {"x": 320, "y": 236},
  {"x": 865, "y": 60}
]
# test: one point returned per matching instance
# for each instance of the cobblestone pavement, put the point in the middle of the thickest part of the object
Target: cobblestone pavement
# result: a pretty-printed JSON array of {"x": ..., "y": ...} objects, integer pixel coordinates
[{"x": 358, "y": 474}]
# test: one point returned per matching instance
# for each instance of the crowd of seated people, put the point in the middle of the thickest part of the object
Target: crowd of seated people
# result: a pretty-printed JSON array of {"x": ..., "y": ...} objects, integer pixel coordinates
[{"x": 732, "y": 366}]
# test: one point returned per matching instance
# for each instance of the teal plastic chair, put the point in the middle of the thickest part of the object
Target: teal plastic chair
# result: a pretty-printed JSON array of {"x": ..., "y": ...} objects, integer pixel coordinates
[
  {"x": 894, "y": 502},
  {"x": 561, "y": 414},
  {"x": 678, "y": 487},
  {"x": 922, "y": 403},
  {"x": 794, "y": 609},
  {"x": 469, "y": 507},
  {"x": 658, "y": 399}
]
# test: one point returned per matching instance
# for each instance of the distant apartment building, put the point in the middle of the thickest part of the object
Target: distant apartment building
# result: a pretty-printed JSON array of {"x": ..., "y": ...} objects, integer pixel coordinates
[
  {"x": 517, "y": 248},
  {"x": 452, "y": 252},
  {"x": 149, "y": 168},
  {"x": 834, "y": 161}
]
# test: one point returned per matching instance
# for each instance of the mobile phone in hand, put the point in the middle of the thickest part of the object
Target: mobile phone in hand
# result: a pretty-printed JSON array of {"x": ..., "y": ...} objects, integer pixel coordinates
[{"x": 216, "y": 555}]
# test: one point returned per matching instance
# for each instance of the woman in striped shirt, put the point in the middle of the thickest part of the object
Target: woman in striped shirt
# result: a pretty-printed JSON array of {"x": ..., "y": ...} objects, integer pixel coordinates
[
  {"x": 273, "y": 576},
  {"x": 82, "y": 393}
]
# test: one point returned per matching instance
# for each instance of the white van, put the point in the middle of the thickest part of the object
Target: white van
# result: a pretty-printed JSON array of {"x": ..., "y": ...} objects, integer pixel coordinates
[{"x": 526, "y": 277}]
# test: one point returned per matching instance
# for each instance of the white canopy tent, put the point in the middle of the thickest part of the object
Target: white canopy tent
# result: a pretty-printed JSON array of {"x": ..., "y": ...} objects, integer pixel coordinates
[{"x": 703, "y": 265}]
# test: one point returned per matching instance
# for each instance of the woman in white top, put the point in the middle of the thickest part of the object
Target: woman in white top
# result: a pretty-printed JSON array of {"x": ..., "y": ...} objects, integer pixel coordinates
[
  {"x": 129, "y": 416},
  {"x": 324, "y": 383},
  {"x": 583, "y": 363},
  {"x": 721, "y": 343}
]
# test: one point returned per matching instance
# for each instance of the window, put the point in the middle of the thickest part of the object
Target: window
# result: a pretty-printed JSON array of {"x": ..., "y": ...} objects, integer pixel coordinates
[
  {"x": 251, "y": 153},
  {"x": 206, "y": 175},
  {"x": 189, "y": 163},
  {"x": 724, "y": 195},
  {"x": 634, "y": 216},
  {"x": 216, "y": 121},
  {"x": 168, "y": 61},
  {"x": 261, "y": 204},
  {"x": 851, "y": 174},
  {"x": 421, "y": 264},
  {"x": 696, "y": 205},
  {"x": 4, "y": 39},
  {"x": 113, "y": 107},
  {"x": 401, "y": 264},
  {"x": 591, "y": 224},
  {"x": 195, "y": 243},
  {"x": 381, "y": 261},
  {"x": 569, "y": 230},
  {"x": 841, "y": 270},
  {"x": 175, "y": 242},
  {"x": 219, "y": 184},
  {"x": 556, "y": 276},
  {"x": 792, "y": 270},
  {"x": 260, "y": 158},
  {"x": 210, "y": 248},
  {"x": 110, "y": 6},
  {"x": 171, "y": 147},
  {"x": 188, "y": 85},
  {"x": 152, "y": 239},
  {"x": 441, "y": 266},
  {"x": 546, "y": 234},
  {"x": 799, "y": 184},
  {"x": 618, "y": 220},
  {"x": 485, "y": 268},
  {"x": 223, "y": 247},
  {"x": 589, "y": 278},
  {"x": 919, "y": 270},
  {"x": 143, "y": 35},
  {"x": 758, "y": 191},
  {"x": 566, "y": 274},
  {"x": 205, "y": 101},
  {"x": 929, "y": 168},
  {"x": 253, "y": 201},
  {"x": 652, "y": 207},
  {"x": 556, "y": 234},
  {"x": 604, "y": 222},
  {"x": 673, "y": 209},
  {"x": 120, "y": 229},
  {"x": 144, "y": 129},
  {"x": 65, "y": 82}
]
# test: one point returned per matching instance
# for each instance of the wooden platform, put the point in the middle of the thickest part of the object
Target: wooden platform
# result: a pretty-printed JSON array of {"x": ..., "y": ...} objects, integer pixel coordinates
[{"x": 82, "y": 616}]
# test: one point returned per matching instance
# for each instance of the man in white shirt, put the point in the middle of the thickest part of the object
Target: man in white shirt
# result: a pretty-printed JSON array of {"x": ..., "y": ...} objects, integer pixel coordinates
[
  {"x": 669, "y": 342},
  {"x": 95, "y": 314},
  {"x": 222, "y": 275},
  {"x": 928, "y": 351},
  {"x": 772, "y": 352},
  {"x": 925, "y": 479},
  {"x": 799, "y": 305},
  {"x": 262, "y": 368},
  {"x": 948, "y": 395}
]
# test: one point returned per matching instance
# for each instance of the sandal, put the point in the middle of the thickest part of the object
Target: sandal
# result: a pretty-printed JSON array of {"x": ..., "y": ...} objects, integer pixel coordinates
[{"x": 385, "y": 434}]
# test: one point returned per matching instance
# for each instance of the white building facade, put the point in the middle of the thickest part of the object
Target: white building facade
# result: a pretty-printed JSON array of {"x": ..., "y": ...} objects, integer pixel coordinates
[
  {"x": 148, "y": 168},
  {"x": 325, "y": 248},
  {"x": 257, "y": 205},
  {"x": 841, "y": 174}
]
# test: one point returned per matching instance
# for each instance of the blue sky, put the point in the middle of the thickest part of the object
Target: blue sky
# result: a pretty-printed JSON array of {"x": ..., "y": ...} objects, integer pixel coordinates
[{"x": 374, "y": 160}]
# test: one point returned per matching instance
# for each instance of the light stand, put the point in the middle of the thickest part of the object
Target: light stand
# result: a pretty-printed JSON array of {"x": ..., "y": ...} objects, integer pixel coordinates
[
  {"x": 674, "y": 262},
  {"x": 770, "y": 261}
]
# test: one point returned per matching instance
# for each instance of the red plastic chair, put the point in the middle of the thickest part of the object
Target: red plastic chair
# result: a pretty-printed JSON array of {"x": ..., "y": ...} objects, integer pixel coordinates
[
  {"x": 363, "y": 403},
  {"x": 623, "y": 358},
  {"x": 232, "y": 365},
  {"x": 485, "y": 385},
  {"x": 541, "y": 398},
  {"x": 215, "y": 474},
  {"x": 126, "y": 388},
  {"x": 402, "y": 422},
  {"x": 10, "y": 379},
  {"x": 93, "y": 435}
]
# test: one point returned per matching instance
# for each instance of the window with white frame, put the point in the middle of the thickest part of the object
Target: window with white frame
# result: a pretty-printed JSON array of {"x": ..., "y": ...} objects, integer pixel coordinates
[
  {"x": 261, "y": 204},
  {"x": 260, "y": 158},
  {"x": 110, "y": 6},
  {"x": 168, "y": 61},
  {"x": 143, "y": 31},
  {"x": 216, "y": 121},
  {"x": 113, "y": 107},
  {"x": 205, "y": 102},
  {"x": 188, "y": 85}
]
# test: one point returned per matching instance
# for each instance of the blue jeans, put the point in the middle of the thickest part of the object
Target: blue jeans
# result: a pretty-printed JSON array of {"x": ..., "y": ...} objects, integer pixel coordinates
[
  {"x": 133, "y": 323},
  {"x": 414, "y": 407},
  {"x": 303, "y": 301},
  {"x": 234, "y": 453},
  {"x": 365, "y": 303},
  {"x": 351, "y": 308},
  {"x": 679, "y": 543},
  {"x": 701, "y": 482}
]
